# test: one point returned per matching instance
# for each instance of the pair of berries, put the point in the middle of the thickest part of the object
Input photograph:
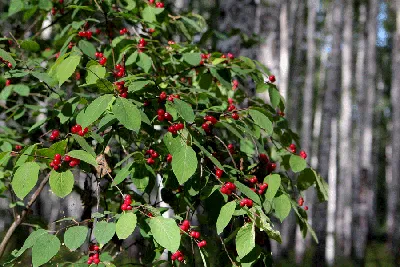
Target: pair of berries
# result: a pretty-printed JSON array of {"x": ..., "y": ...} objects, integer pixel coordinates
[
  {"x": 160, "y": 5},
  {"x": 119, "y": 71},
  {"x": 55, "y": 134},
  {"x": 98, "y": 55},
  {"x": 253, "y": 180},
  {"x": 174, "y": 128},
  {"x": 6, "y": 62},
  {"x": 178, "y": 256},
  {"x": 235, "y": 84},
  {"x": 228, "y": 188},
  {"x": 77, "y": 129},
  {"x": 246, "y": 202},
  {"x": 94, "y": 258},
  {"x": 210, "y": 121},
  {"x": 102, "y": 61},
  {"x": 123, "y": 31},
  {"x": 303, "y": 154},
  {"x": 162, "y": 115},
  {"x": 88, "y": 35},
  {"x": 142, "y": 44},
  {"x": 229, "y": 55},
  {"x": 185, "y": 226},
  {"x": 122, "y": 90},
  {"x": 58, "y": 160},
  {"x": 301, "y": 202},
  {"x": 292, "y": 148},
  {"x": 261, "y": 189},
  {"x": 18, "y": 147},
  {"x": 219, "y": 173},
  {"x": 153, "y": 155},
  {"x": 195, "y": 234},
  {"x": 127, "y": 203},
  {"x": 172, "y": 97}
]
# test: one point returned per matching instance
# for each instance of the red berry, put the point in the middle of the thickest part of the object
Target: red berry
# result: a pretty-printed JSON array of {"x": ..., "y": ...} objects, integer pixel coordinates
[
  {"x": 180, "y": 126},
  {"x": 96, "y": 261},
  {"x": 154, "y": 155},
  {"x": 272, "y": 78},
  {"x": 18, "y": 147},
  {"x": 225, "y": 190},
  {"x": 186, "y": 222},
  {"x": 124, "y": 206},
  {"x": 96, "y": 248},
  {"x": 150, "y": 161},
  {"x": 300, "y": 201},
  {"x": 249, "y": 203},
  {"x": 235, "y": 116},
  {"x": 72, "y": 163},
  {"x": 169, "y": 158},
  {"x": 53, "y": 11},
  {"x": 160, "y": 5},
  {"x": 151, "y": 30},
  {"x": 56, "y": 167},
  {"x": 219, "y": 173},
  {"x": 231, "y": 186},
  {"x": 202, "y": 244},
  {"x": 89, "y": 261},
  {"x": 263, "y": 158},
  {"x": 184, "y": 228},
  {"x": 67, "y": 158},
  {"x": 57, "y": 156},
  {"x": 168, "y": 116},
  {"x": 230, "y": 56},
  {"x": 172, "y": 129},
  {"x": 306, "y": 208},
  {"x": 129, "y": 208},
  {"x": 151, "y": 1},
  {"x": 8, "y": 82},
  {"x": 206, "y": 127},
  {"x": 230, "y": 101},
  {"x": 55, "y": 133},
  {"x": 303, "y": 154},
  {"x": 253, "y": 180},
  {"x": 264, "y": 186},
  {"x": 160, "y": 112},
  {"x": 292, "y": 148},
  {"x": 180, "y": 258},
  {"x": 173, "y": 257},
  {"x": 103, "y": 61},
  {"x": 160, "y": 118},
  {"x": 231, "y": 107}
]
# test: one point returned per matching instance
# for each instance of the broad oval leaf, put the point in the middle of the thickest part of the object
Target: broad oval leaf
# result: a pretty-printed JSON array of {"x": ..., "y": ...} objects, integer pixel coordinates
[
  {"x": 185, "y": 110},
  {"x": 245, "y": 240},
  {"x": 306, "y": 179},
  {"x": 104, "y": 231},
  {"x": 144, "y": 62},
  {"x": 184, "y": 163},
  {"x": 7, "y": 57},
  {"x": 92, "y": 112},
  {"x": 45, "y": 248},
  {"x": 274, "y": 182},
  {"x": 192, "y": 58},
  {"x": 25, "y": 179},
  {"x": 122, "y": 174},
  {"x": 297, "y": 163},
  {"x": 248, "y": 192},
  {"x": 66, "y": 68},
  {"x": 61, "y": 183},
  {"x": 125, "y": 226},
  {"x": 75, "y": 236},
  {"x": 225, "y": 216},
  {"x": 127, "y": 114},
  {"x": 84, "y": 156},
  {"x": 166, "y": 232},
  {"x": 282, "y": 206},
  {"x": 261, "y": 120},
  {"x": 96, "y": 72},
  {"x": 82, "y": 142},
  {"x": 87, "y": 48}
]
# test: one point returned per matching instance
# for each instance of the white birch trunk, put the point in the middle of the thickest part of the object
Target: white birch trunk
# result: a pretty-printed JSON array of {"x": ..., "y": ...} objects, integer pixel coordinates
[{"x": 284, "y": 53}]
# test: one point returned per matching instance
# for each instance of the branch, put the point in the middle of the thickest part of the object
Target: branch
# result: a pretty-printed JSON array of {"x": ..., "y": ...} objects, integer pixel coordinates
[{"x": 18, "y": 220}]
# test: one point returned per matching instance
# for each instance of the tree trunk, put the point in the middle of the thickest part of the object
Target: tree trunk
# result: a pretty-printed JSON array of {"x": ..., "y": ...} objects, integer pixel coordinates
[
  {"x": 283, "y": 79},
  {"x": 329, "y": 111},
  {"x": 344, "y": 216},
  {"x": 395, "y": 96},
  {"x": 306, "y": 132},
  {"x": 359, "y": 209},
  {"x": 330, "y": 226}
]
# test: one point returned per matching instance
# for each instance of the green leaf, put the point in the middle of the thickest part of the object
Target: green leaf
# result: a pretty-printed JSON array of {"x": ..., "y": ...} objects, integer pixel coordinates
[
  {"x": 56, "y": 148},
  {"x": 25, "y": 179},
  {"x": 208, "y": 155},
  {"x": 95, "y": 72},
  {"x": 144, "y": 62},
  {"x": 173, "y": 144},
  {"x": 149, "y": 13},
  {"x": 274, "y": 96},
  {"x": 130, "y": 4},
  {"x": 122, "y": 174},
  {"x": 261, "y": 87},
  {"x": 30, "y": 45},
  {"x": 192, "y": 58},
  {"x": 261, "y": 120},
  {"x": 274, "y": 182},
  {"x": 223, "y": 75},
  {"x": 104, "y": 231},
  {"x": 127, "y": 114},
  {"x": 45, "y": 248},
  {"x": 21, "y": 89},
  {"x": 105, "y": 85},
  {"x": 82, "y": 142},
  {"x": 131, "y": 59},
  {"x": 165, "y": 232},
  {"x": 75, "y": 236},
  {"x": 44, "y": 77},
  {"x": 45, "y": 4},
  {"x": 7, "y": 57},
  {"x": 87, "y": 48},
  {"x": 322, "y": 188},
  {"x": 185, "y": 110},
  {"x": 245, "y": 240},
  {"x": 248, "y": 192},
  {"x": 61, "y": 183},
  {"x": 282, "y": 206},
  {"x": 25, "y": 155},
  {"x": 306, "y": 179},
  {"x": 66, "y": 68},
  {"x": 225, "y": 216},
  {"x": 15, "y": 7},
  {"x": 137, "y": 85},
  {"x": 297, "y": 163},
  {"x": 184, "y": 163},
  {"x": 94, "y": 110},
  {"x": 30, "y": 241},
  {"x": 126, "y": 224},
  {"x": 84, "y": 156}
]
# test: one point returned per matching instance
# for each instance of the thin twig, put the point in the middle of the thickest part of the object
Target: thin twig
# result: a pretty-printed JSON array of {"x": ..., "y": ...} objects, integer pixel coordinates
[{"x": 227, "y": 253}]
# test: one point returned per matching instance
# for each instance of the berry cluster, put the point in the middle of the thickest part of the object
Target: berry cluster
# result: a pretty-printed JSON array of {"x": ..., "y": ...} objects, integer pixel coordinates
[
  {"x": 122, "y": 90},
  {"x": 58, "y": 160},
  {"x": 301, "y": 202},
  {"x": 162, "y": 115},
  {"x": 232, "y": 108},
  {"x": 229, "y": 55},
  {"x": 235, "y": 84},
  {"x": 98, "y": 55},
  {"x": 127, "y": 203},
  {"x": 142, "y": 44},
  {"x": 102, "y": 59},
  {"x": 253, "y": 184},
  {"x": 54, "y": 135},
  {"x": 204, "y": 57},
  {"x": 246, "y": 202},
  {"x": 292, "y": 148},
  {"x": 178, "y": 255},
  {"x": 94, "y": 256},
  {"x": 77, "y": 129},
  {"x": 209, "y": 122},
  {"x": 86, "y": 34},
  {"x": 152, "y": 156},
  {"x": 119, "y": 71},
  {"x": 185, "y": 226},
  {"x": 228, "y": 188},
  {"x": 174, "y": 128},
  {"x": 123, "y": 31},
  {"x": 6, "y": 62},
  {"x": 303, "y": 154}
]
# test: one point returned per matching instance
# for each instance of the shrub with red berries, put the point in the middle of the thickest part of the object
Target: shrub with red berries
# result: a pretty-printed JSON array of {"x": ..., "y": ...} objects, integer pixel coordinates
[{"x": 147, "y": 134}]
